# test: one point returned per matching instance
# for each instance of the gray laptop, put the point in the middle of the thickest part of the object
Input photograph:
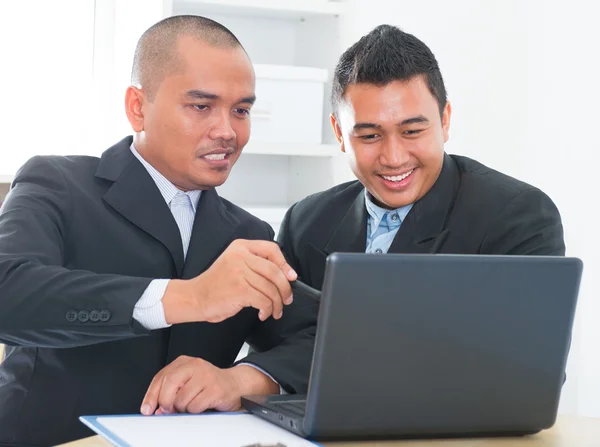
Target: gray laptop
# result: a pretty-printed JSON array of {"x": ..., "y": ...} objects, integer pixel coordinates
[{"x": 434, "y": 346}]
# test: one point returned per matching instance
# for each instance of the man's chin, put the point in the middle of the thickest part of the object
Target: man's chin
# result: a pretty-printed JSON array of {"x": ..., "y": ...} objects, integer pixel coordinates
[{"x": 392, "y": 201}]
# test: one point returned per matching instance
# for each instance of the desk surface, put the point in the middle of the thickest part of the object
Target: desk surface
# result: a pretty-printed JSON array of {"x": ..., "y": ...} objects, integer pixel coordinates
[{"x": 569, "y": 431}]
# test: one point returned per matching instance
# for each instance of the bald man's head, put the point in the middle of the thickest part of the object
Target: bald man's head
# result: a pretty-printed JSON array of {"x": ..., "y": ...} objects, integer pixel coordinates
[{"x": 156, "y": 54}]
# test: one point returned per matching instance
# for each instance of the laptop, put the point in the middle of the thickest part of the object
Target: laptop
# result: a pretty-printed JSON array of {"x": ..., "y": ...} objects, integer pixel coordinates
[{"x": 420, "y": 346}]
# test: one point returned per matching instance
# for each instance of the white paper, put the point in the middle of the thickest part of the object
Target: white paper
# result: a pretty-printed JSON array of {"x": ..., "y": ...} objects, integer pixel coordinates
[{"x": 223, "y": 430}]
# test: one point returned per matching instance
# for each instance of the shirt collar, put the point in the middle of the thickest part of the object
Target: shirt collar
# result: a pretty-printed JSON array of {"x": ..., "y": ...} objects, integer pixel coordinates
[
  {"x": 167, "y": 189},
  {"x": 378, "y": 213}
]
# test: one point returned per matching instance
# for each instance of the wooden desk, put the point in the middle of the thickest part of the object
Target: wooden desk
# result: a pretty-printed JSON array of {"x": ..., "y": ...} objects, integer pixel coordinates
[{"x": 569, "y": 431}]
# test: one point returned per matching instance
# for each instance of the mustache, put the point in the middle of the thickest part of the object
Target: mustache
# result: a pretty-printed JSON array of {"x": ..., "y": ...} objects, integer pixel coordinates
[
  {"x": 386, "y": 170},
  {"x": 220, "y": 144}
]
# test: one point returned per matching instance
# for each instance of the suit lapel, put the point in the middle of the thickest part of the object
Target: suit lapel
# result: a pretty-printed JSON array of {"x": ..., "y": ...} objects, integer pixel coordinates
[
  {"x": 136, "y": 197},
  {"x": 351, "y": 234},
  {"x": 214, "y": 228},
  {"x": 427, "y": 219}
]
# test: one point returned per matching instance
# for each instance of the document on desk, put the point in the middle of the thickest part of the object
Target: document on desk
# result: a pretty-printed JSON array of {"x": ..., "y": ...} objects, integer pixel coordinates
[{"x": 210, "y": 429}]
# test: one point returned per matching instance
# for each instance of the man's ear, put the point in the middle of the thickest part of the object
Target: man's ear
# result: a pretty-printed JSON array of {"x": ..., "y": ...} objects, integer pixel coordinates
[
  {"x": 446, "y": 121},
  {"x": 337, "y": 130},
  {"x": 134, "y": 100}
]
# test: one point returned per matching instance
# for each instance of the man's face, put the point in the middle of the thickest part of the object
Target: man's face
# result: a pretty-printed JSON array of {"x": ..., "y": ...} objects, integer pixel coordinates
[
  {"x": 198, "y": 122},
  {"x": 394, "y": 138}
]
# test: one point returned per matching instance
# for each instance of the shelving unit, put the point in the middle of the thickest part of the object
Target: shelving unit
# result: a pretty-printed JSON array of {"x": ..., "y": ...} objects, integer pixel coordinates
[
  {"x": 292, "y": 149},
  {"x": 5, "y": 181},
  {"x": 265, "y": 8},
  {"x": 4, "y": 186}
]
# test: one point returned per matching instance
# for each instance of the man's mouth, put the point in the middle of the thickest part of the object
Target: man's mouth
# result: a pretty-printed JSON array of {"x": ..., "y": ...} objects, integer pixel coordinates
[
  {"x": 217, "y": 157},
  {"x": 397, "y": 178}
]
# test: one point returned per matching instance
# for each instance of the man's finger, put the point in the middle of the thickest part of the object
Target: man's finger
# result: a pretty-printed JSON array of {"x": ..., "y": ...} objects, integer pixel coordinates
[
  {"x": 267, "y": 288},
  {"x": 150, "y": 401},
  {"x": 202, "y": 402},
  {"x": 271, "y": 272},
  {"x": 171, "y": 384},
  {"x": 272, "y": 252},
  {"x": 256, "y": 299},
  {"x": 188, "y": 392}
]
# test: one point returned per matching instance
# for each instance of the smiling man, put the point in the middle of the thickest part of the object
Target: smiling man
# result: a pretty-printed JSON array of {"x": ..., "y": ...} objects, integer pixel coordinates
[
  {"x": 103, "y": 260},
  {"x": 392, "y": 118}
]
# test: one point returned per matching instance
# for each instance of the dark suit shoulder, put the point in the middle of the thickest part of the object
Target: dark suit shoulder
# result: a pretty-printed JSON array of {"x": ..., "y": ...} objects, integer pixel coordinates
[
  {"x": 485, "y": 181},
  {"x": 238, "y": 212},
  {"x": 508, "y": 215},
  {"x": 331, "y": 199},
  {"x": 69, "y": 169},
  {"x": 248, "y": 221}
]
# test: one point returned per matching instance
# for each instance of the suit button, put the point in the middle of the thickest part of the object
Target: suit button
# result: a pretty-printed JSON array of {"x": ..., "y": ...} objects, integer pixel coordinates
[
  {"x": 105, "y": 316},
  {"x": 83, "y": 316},
  {"x": 95, "y": 315},
  {"x": 71, "y": 316}
]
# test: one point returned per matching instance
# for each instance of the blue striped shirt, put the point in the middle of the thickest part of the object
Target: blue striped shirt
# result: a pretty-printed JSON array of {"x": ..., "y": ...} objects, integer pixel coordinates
[{"x": 382, "y": 225}]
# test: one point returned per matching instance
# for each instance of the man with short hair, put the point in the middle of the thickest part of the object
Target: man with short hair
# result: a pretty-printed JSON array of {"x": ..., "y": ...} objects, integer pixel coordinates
[
  {"x": 391, "y": 118},
  {"x": 119, "y": 270}
]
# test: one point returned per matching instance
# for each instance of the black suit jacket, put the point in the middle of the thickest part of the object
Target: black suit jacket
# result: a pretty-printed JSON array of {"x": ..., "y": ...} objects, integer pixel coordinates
[
  {"x": 471, "y": 209},
  {"x": 80, "y": 240}
]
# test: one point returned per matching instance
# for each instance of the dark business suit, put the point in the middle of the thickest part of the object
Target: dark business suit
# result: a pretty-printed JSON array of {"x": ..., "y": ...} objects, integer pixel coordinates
[
  {"x": 471, "y": 209},
  {"x": 80, "y": 240}
]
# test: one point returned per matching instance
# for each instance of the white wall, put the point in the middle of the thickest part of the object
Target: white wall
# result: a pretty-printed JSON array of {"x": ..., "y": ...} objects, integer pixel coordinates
[
  {"x": 523, "y": 79},
  {"x": 117, "y": 27},
  {"x": 45, "y": 78}
]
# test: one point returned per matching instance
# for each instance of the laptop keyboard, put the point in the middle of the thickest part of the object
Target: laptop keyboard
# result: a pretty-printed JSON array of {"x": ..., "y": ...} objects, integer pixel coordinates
[{"x": 294, "y": 407}]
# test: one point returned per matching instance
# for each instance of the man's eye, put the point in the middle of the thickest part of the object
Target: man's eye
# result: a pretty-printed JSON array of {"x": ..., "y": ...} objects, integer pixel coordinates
[
  {"x": 200, "y": 106},
  {"x": 413, "y": 132},
  {"x": 242, "y": 111},
  {"x": 368, "y": 137}
]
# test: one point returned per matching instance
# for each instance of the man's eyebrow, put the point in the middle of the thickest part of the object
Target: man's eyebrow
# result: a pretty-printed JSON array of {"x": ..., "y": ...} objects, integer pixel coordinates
[
  {"x": 200, "y": 94},
  {"x": 248, "y": 100},
  {"x": 359, "y": 126},
  {"x": 414, "y": 120}
]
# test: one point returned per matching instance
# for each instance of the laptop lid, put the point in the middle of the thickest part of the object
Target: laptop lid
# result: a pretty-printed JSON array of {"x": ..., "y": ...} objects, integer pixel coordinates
[{"x": 413, "y": 345}]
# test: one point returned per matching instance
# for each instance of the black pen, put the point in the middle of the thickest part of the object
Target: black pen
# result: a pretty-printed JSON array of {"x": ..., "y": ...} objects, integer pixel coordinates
[
  {"x": 299, "y": 286},
  {"x": 437, "y": 244},
  {"x": 305, "y": 289}
]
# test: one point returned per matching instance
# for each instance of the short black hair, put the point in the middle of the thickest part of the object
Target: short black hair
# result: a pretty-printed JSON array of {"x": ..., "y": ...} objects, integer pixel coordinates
[
  {"x": 385, "y": 55},
  {"x": 156, "y": 51}
]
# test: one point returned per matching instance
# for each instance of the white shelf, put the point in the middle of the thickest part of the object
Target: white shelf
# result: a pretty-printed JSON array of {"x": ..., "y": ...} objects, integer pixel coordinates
[
  {"x": 262, "y": 8},
  {"x": 292, "y": 149},
  {"x": 6, "y": 178}
]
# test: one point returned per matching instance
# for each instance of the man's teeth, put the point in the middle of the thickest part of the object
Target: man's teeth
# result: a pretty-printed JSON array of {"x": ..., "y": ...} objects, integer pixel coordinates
[
  {"x": 215, "y": 156},
  {"x": 397, "y": 178}
]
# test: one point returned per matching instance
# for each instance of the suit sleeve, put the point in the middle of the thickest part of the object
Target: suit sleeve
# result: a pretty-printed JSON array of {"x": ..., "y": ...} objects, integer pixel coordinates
[
  {"x": 285, "y": 347},
  {"x": 529, "y": 224},
  {"x": 40, "y": 299}
]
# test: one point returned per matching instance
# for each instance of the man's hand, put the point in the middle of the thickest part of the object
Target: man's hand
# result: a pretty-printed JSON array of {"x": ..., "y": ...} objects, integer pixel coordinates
[
  {"x": 247, "y": 274},
  {"x": 192, "y": 385}
]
